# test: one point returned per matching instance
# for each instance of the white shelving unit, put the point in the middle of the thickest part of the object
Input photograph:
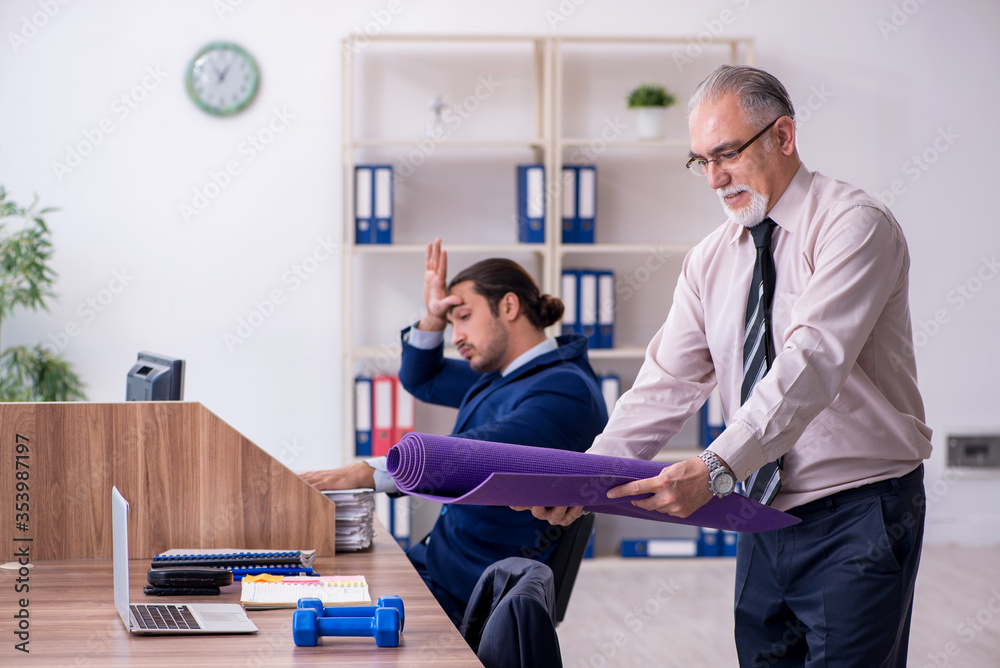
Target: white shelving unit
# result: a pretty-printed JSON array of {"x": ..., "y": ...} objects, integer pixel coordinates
[{"x": 515, "y": 100}]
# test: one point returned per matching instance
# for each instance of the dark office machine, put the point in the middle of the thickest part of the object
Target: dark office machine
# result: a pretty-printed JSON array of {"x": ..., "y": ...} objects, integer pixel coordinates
[{"x": 155, "y": 377}]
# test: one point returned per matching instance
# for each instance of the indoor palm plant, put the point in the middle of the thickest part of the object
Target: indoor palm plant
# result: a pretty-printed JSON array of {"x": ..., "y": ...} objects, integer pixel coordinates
[
  {"x": 26, "y": 280},
  {"x": 649, "y": 101}
]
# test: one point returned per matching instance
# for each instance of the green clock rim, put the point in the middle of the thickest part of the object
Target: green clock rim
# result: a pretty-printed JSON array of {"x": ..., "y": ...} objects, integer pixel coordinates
[{"x": 229, "y": 109}]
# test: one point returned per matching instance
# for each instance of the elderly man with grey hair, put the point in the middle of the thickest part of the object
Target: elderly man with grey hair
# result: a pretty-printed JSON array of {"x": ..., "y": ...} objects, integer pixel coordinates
[{"x": 796, "y": 308}]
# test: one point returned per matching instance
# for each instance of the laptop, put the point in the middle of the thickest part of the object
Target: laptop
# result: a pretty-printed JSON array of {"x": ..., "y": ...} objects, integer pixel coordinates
[{"x": 165, "y": 618}]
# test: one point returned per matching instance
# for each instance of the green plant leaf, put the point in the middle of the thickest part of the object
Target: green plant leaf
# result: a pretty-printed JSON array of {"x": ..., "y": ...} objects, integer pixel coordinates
[
  {"x": 37, "y": 374},
  {"x": 26, "y": 279},
  {"x": 24, "y": 258},
  {"x": 650, "y": 95}
]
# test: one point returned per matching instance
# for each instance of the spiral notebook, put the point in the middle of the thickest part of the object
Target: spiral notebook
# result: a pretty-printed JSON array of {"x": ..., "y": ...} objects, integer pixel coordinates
[{"x": 241, "y": 562}]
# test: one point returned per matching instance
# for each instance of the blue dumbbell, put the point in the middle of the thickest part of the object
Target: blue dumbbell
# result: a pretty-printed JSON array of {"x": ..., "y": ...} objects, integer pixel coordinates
[
  {"x": 355, "y": 610},
  {"x": 308, "y": 626}
]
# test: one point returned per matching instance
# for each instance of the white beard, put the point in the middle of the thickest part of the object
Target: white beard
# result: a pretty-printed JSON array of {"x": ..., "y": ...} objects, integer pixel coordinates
[{"x": 747, "y": 216}]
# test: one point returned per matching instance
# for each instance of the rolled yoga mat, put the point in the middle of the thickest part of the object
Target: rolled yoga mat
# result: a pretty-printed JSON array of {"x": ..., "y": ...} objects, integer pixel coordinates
[{"x": 459, "y": 470}]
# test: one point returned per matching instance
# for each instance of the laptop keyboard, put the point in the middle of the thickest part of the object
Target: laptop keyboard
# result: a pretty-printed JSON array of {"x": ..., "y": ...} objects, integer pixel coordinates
[{"x": 164, "y": 617}]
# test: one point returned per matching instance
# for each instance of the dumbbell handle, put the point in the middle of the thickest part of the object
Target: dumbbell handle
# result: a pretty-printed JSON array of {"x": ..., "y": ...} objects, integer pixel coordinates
[{"x": 345, "y": 626}]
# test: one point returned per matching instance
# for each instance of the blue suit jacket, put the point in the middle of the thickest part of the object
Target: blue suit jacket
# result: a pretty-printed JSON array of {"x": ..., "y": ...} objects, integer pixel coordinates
[{"x": 553, "y": 401}]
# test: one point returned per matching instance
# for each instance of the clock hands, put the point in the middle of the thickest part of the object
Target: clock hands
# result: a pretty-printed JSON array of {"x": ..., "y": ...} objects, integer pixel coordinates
[{"x": 221, "y": 76}]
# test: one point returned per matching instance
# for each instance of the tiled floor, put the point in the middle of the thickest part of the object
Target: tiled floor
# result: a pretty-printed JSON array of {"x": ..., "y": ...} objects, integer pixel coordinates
[{"x": 678, "y": 612}]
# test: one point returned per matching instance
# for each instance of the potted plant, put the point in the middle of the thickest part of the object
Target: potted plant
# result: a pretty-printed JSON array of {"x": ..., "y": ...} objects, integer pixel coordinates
[
  {"x": 29, "y": 374},
  {"x": 650, "y": 101}
]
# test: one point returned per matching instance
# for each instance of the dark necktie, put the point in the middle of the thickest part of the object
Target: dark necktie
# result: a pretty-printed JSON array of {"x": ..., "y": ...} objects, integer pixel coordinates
[{"x": 758, "y": 348}]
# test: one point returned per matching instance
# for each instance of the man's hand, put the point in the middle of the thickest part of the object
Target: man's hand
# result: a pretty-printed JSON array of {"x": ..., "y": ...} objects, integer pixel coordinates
[
  {"x": 560, "y": 515},
  {"x": 436, "y": 298},
  {"x": 678, "y": 490},
  {"x": 352, "y": 476}
]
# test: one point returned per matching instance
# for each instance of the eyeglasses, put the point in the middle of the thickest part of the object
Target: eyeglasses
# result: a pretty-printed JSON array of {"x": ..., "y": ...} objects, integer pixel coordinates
[{"x": 699, "y": 166}]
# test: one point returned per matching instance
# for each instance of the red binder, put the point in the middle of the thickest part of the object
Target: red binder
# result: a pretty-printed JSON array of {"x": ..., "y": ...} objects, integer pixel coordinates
[
  {"x": 404, "y": 413},
  {"x": 383, "y": 413}
]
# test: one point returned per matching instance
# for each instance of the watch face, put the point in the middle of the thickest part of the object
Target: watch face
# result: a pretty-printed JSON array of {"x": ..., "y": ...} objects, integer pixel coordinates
[
  {"x": 222, "y": 78},
  {"x": 723, "y": 483}
]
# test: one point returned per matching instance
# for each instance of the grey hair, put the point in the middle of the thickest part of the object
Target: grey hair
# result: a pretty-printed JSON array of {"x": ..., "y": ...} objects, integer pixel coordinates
[{"x": 762, "y": 98}]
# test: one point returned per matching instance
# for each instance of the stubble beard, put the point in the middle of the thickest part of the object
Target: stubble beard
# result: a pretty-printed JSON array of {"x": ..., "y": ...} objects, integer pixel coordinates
[{"x": 493, "y": 351}]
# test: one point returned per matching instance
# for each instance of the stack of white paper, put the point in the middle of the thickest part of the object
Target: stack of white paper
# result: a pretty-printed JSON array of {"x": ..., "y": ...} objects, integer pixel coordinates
[{"x": 355, "y": 510}]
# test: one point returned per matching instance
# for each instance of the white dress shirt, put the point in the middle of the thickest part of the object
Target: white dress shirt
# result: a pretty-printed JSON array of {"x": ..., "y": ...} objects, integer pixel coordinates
[{"x": 840, "y": 401}]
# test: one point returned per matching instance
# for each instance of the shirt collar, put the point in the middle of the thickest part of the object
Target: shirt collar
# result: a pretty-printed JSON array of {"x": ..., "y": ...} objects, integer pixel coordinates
[
  {"x": 546, "y": 346},
  {"x": 784, "y": 211}
]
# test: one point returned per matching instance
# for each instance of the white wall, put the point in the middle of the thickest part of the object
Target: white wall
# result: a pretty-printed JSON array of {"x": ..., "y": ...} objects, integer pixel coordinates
[{"x": 887, "y": 92}]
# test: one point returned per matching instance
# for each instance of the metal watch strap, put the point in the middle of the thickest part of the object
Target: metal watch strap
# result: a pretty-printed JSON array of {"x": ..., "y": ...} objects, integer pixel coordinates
[
  {"x": 715, "y": 469},
  {"x": 711, "y": 461}
]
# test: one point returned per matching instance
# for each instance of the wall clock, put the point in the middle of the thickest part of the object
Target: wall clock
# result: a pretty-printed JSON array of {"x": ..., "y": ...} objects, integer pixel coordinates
[{"x": 222, "y": 78}]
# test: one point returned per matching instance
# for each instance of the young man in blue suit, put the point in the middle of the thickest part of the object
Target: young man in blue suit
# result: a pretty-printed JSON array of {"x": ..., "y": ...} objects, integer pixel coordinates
[{"x": 513, "y": 385}]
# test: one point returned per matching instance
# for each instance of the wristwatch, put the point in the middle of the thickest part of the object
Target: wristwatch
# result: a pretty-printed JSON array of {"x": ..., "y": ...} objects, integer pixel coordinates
[{"x": 721, "y": 480}]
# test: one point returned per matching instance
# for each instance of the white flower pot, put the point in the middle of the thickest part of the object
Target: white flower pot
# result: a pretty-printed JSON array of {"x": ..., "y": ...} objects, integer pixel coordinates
[{"x": 649, "y": 122}]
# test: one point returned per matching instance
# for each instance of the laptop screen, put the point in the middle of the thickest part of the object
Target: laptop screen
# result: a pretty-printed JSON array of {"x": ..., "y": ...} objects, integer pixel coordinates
[{"x": 119, "y": 537}]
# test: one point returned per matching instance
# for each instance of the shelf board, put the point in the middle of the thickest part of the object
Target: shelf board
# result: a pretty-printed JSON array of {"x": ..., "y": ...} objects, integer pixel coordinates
[
  {"x": 672, "y": 144},
  {"x": 564, "y": 249},
  {"x": 659, "y": 41},
  {"x": 435, "y": 39},
  {"x": 390, "y": 249},
  {"x": 673, "y": 455},
  {"x": 393, "y": 352},
  {"x": 452, "y": 143},
  {"x": 372, "y": 352},
  {"x": 573, "y": 39},
  {"x": 625, "y": 248},
  {"x": 624, "y": 353}
]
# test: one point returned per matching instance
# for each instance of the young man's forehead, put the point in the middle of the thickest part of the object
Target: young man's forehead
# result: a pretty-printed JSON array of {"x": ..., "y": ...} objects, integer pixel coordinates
[{"x": 451, "y": 309}]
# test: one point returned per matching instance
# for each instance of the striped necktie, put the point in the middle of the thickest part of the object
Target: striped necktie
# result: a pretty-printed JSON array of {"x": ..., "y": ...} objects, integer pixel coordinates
[{"x": 758, "y": 349}]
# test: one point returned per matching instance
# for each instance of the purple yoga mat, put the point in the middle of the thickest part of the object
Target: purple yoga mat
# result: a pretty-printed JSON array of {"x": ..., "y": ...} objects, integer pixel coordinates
[{"x": 460, "y": 470}]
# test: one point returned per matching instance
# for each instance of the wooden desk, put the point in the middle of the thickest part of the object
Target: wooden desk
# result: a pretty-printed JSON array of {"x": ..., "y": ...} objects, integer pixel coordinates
[{"x": 73, "y": 621}]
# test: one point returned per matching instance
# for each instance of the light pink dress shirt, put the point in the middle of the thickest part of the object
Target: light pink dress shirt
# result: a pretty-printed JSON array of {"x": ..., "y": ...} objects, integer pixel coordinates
[{"x": 840, "y": 401}]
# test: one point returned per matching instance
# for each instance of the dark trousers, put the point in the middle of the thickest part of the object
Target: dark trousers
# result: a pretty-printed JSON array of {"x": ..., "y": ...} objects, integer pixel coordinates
[
  {"x": 454, "y": 607},
  {"x": 836, "y": 589}
]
